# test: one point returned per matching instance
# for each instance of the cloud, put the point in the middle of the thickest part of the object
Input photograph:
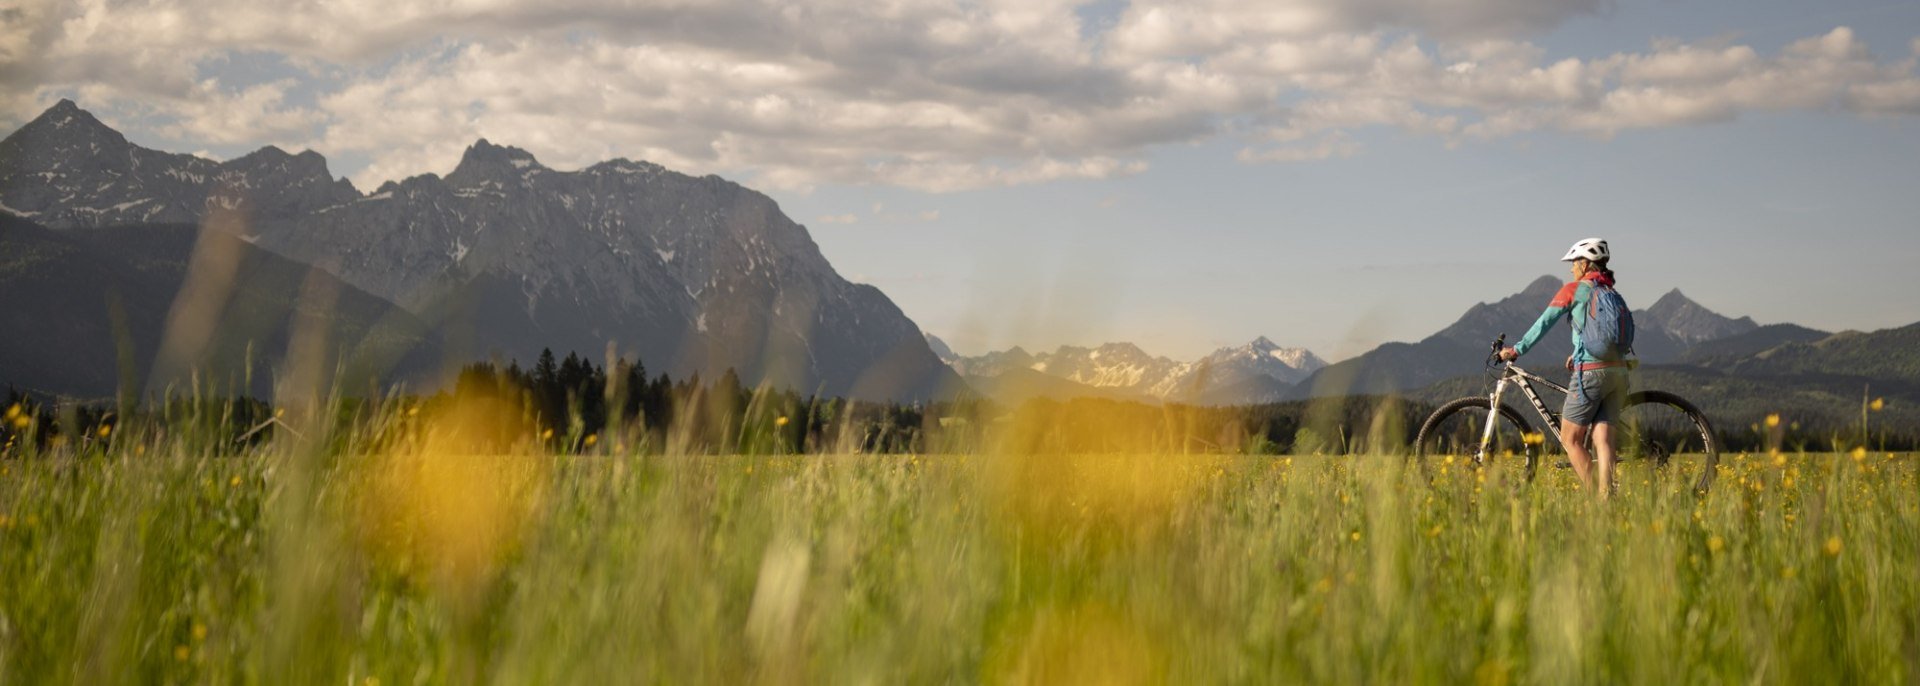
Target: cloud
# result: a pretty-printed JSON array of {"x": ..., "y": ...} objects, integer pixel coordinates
[
  {"x": 1889, "y": 97},
  {"x": 939, "y": 95},
  {"x": 253, "y": 114},
  {"x": 1204, "y": 28},
  {"x": 1327, "y": 146},
  {"x": 880, "y": 215}
]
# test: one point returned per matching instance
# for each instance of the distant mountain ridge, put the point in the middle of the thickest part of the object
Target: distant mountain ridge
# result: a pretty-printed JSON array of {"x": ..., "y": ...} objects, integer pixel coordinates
[
  {"x": 1662, "y": 335},
  {"x": 688, "y": 274},
  {"x": 1887, "y": 354},
  {"x": 1260, "y": 371},
  {"x": 66, "y": 169},
  {"x": 1721, "y": 351},
  {"x": 87, "y": 314},
  {"x": 1674, "y": 329},
  {"x": 1688, "y": 322}
]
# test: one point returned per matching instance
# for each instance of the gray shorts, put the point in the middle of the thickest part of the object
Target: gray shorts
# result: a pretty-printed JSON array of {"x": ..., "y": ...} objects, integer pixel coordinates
[{"x": 1596, "y": 395}]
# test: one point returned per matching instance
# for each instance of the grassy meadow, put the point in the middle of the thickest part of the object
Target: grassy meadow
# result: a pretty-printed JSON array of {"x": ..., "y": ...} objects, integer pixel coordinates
[{"x": 349, "y": 553}]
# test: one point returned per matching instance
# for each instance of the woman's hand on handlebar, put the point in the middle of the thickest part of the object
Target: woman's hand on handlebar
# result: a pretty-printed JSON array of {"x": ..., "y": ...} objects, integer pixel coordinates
[{"x": 1508, "y": 354}]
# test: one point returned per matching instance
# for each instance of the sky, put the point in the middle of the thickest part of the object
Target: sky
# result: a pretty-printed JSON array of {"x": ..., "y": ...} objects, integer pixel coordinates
[{"x": 1181, "y": 175}]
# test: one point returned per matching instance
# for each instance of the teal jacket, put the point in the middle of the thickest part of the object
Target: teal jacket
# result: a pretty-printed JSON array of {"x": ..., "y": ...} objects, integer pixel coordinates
[{"x": 1571, "y": 302}]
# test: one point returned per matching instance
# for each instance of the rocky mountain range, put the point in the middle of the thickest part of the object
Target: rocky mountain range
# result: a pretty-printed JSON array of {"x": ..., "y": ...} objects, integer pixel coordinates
[
  {"x": 1686, "y": 322},
  {"x": 1675, "y": 329},
  {"x": 126, "y": 267},
  {"x": 505, "y": 256},
  {"x": 1259, "y": 371},
  {"x": 1664, "y": 332},
  {"x": 99, "y": 312}
]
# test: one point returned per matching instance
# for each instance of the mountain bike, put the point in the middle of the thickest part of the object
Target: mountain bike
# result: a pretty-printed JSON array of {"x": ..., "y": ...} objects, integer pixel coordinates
[{"x": 1657, "y": 428}]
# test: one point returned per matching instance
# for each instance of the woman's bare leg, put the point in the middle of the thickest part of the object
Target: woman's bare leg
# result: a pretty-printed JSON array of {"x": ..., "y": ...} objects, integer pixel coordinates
[
  {"x": 1603, "y": 447},
  {"x": 1573, "y": 438}
]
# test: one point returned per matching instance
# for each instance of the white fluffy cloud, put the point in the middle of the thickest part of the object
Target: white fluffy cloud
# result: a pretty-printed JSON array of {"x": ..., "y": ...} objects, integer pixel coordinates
[{"x": 930, "y": 94}]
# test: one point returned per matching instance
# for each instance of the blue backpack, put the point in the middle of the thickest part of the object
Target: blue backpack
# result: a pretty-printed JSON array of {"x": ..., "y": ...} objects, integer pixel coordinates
[{"x": 1607, "y": 334}]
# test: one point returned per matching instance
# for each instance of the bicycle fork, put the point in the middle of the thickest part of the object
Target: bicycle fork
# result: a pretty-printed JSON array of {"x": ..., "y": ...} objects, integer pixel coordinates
[{"x": 1493, "y": 418}]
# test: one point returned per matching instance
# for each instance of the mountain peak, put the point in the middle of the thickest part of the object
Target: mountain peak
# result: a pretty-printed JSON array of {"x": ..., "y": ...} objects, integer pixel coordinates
[
  {"x": 1690, "y": 322},
  {"x": 940, "y": 348},
  {"x": 1121, "y": 348},
  {"x": 1672, "y": 300},
  {"x": 1263, "y": 343},
  {"x": 273, "y": 167},
  {"x": 484, "y": 159},
  {"x": 485, "y": 151},
  {"x": 274, "y": 153},
  {"x": 1545, "y": 285},
  {"x": 65, "y": 120}
]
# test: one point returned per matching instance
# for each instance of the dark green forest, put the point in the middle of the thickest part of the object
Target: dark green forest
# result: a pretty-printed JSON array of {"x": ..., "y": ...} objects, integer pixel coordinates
[{"x": 571, "y": 405}]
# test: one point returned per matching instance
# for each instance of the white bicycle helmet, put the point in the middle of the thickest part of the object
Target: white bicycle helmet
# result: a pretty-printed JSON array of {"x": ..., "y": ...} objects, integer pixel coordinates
[{"x": 1591, "y": 249}]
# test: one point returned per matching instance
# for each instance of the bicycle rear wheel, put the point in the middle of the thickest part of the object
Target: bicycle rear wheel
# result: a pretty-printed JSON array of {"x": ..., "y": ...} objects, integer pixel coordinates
[
  {"x": 1671, "y": 436},
  {"x": 1456, "y": 429}
]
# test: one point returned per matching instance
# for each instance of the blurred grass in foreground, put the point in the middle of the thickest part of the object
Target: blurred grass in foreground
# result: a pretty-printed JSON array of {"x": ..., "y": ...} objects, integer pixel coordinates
[{"x": 361, "y": 558}]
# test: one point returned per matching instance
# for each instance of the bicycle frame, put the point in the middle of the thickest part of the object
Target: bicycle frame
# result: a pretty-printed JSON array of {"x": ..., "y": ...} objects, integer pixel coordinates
[{"x": 1512, "y": 374}]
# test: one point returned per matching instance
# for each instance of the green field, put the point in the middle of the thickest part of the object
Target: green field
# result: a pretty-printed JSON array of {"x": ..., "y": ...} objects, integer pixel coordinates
[{"x": 170, "y": 558}]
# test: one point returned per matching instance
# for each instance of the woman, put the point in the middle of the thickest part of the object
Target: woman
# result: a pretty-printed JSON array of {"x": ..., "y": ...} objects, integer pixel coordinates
[{"x": 1598, "y": 391}]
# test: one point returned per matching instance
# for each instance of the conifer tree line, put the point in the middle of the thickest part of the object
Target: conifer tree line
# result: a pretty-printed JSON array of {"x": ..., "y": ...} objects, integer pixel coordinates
[
  {"x": 574, "y": 404},
  {"x": 571, "y": 404}
]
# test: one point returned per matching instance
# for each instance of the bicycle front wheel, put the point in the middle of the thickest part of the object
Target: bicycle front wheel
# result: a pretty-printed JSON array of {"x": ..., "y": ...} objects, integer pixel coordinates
[
  {"x": 1670, "y": 435},
  {"x": 1456, "y": 430}
]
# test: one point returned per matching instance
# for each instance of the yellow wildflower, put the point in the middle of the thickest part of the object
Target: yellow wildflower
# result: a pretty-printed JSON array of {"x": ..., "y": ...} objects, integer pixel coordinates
[
  {"x": 1716, "y": 543},
  {"x": 105, "y": 429},
  {"x": 781, "y": 421},
  {"x": 592, "y": 439},
  {"x": 1773, "y": 421},
  {"x": 1878, "y": 404},
  {"x": 1833, "y": 546}
]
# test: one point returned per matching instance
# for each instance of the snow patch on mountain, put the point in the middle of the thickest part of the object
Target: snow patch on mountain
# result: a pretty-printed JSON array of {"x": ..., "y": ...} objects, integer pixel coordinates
[
  {"x": 1124, "y": 366},
  {"x": 531, "y": 257}
]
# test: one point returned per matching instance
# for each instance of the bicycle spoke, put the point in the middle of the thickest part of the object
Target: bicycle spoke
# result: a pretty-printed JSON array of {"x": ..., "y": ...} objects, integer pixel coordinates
[
  {"x": 1457, "y": 429},
  {"x": 1662, "y": 432}
]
